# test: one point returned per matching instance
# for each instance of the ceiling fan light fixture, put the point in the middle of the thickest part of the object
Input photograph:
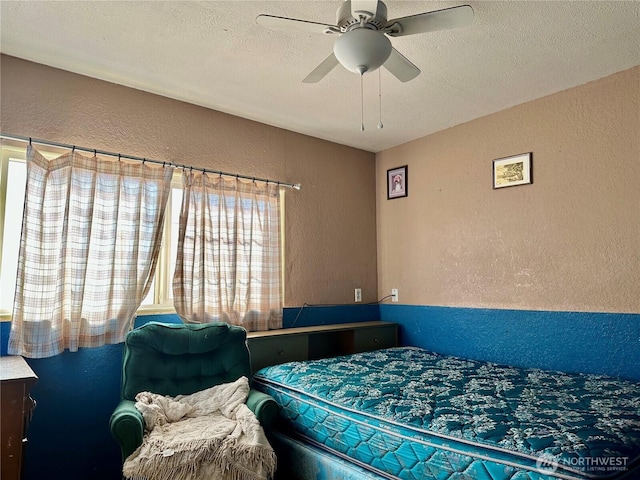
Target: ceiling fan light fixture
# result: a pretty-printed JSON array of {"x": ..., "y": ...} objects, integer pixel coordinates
[{"x": 362, "y": 50}]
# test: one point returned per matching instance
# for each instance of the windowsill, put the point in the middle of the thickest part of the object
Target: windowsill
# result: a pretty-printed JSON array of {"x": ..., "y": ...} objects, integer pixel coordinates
[
  {"x": 156, "y": 310},
  {"x": 145, "y": 310}
]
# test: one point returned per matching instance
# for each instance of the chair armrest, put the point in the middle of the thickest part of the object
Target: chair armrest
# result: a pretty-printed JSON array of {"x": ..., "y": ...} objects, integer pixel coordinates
[
  {"x": 127, "y": 426},
  {"x": 264, "y": 407}
]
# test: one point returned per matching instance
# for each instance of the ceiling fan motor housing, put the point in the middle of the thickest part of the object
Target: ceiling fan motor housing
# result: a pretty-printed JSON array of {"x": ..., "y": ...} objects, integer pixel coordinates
[
  {"x": 345, "y": 20},
  {"x": 362, "y": 50}
]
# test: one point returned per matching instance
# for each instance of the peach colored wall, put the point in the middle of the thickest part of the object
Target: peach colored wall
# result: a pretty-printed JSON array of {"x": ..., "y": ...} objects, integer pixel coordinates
[
  {"x": 570, "y": 241},
  {"x": 330, "y": 233}
]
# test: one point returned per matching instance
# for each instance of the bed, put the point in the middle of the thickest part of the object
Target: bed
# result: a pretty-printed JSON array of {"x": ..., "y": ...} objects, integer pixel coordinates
[{"x": 408, "y": 413}]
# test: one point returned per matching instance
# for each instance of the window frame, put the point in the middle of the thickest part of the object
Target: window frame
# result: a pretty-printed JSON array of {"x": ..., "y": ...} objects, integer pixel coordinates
[
  {"x": 8, "y": 154},
  {"x": 162, "y": 301}
]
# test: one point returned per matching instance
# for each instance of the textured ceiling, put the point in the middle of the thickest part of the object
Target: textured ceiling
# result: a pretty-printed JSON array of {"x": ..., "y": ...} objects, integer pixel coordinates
[{"x": 214, "y": 54}]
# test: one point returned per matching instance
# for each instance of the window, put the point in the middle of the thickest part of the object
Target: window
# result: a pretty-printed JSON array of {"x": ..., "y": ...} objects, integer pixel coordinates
[
  {"x": 12, "y": 186},
  {"x": 229, "y": 256},
  {"x": 160, "y": 296},
  {"x": 13, "y": 175}
]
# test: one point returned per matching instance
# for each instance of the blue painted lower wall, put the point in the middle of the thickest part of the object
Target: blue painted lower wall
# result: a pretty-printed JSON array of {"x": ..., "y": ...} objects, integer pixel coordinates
[
  {"x": 604, "y": 343},
  {"x": 69, "y": 436},
  {"x": 76, "y": 393}
]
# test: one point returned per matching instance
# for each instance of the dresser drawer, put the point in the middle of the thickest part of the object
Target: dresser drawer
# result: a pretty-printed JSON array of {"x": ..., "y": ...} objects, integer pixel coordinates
[
  {"x": 274, "y": 350},
  {"x": 374, "y": 338}
]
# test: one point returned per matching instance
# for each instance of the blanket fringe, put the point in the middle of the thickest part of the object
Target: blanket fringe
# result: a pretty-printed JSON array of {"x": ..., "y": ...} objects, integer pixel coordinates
[
  {"x": 259, "y": 460},
  {"x": 174, "y": 467},
  {"x": 209, "y": 442}
]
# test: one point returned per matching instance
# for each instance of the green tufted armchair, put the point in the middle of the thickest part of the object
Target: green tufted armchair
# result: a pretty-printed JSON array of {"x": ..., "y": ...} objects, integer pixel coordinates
[{"x": 174, "y": 359}]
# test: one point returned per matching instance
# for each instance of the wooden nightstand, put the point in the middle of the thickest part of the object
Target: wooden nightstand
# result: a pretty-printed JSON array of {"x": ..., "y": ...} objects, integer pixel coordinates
[{"x": 16, "y": 380}]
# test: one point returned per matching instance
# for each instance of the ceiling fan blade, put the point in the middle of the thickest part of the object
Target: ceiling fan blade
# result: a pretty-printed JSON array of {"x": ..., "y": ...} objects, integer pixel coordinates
[
  {"x": 284, "y": 23},
  {"x": 365, "y": 7},
  {"x": 322, "y": 70},
  {"x": 431, "y": 21},
  {"x": 400, "y": 67}
]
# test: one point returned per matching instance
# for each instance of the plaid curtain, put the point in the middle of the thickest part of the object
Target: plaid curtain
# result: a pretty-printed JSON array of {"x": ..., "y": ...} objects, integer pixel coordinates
[
  {"x": 228, "y": 262},
  {"x": 91, "y": 232}
]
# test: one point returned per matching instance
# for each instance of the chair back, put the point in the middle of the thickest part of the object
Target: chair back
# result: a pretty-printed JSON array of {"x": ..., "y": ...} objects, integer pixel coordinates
[{"x": 174, "y": 359}]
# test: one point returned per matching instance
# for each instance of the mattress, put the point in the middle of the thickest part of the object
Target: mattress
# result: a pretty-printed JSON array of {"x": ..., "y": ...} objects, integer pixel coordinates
[{"x": 409, "y": 413}]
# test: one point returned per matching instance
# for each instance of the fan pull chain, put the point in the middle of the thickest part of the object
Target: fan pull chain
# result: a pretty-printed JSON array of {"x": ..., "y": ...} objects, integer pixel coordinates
[
  {"x": 361, "y": 104},
  {"x": 380, "y": 125}
]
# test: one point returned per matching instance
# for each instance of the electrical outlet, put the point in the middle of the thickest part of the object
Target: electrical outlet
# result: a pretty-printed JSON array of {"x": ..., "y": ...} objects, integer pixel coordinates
[
  {"x": 394, "y": 295},
  {"x": 358, "y": 295}
]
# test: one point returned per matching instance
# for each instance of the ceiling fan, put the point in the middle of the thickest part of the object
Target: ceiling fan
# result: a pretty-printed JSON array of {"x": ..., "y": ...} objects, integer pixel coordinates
[{"x": 363, "y": 30}]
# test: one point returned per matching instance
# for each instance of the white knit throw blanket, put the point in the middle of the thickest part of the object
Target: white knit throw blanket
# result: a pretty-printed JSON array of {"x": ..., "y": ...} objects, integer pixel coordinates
[{"x": 210, "y": 434}]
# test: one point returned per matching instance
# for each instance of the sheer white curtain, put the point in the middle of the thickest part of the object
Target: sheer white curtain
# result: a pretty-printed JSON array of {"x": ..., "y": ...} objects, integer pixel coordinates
[
  {"x": 91, "y": 232},
  {"x": 228, "y": 263}
]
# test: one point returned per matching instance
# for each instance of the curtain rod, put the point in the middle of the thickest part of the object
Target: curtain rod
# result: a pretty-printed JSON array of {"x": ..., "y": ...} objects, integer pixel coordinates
[{"x": 295, "y": 186}]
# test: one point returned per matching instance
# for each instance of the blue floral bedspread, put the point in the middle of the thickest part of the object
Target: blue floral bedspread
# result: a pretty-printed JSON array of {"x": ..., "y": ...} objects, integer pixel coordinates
[{"x": 410, "y": 413}]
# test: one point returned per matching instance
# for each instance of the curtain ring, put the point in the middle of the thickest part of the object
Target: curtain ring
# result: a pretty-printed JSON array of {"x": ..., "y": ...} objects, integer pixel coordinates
[
  {"x": 95, "y": 152},
  {"x": 29, "y": 140},
  {"x": 119, "y": 159},
  {"x": 73, "y": 149}
]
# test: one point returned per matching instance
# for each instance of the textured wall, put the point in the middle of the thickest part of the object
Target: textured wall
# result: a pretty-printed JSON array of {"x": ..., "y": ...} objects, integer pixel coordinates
[
  {"x": 570, "y": 241},
  {"x": 329, "y": 224},
  {"x": 586, "y": 342}
]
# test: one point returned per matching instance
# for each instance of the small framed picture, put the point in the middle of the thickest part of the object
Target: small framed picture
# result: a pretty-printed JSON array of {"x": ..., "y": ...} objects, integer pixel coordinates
[
  {"x": 397, "y": 185},
  {"x": 512, "y": 171}
]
